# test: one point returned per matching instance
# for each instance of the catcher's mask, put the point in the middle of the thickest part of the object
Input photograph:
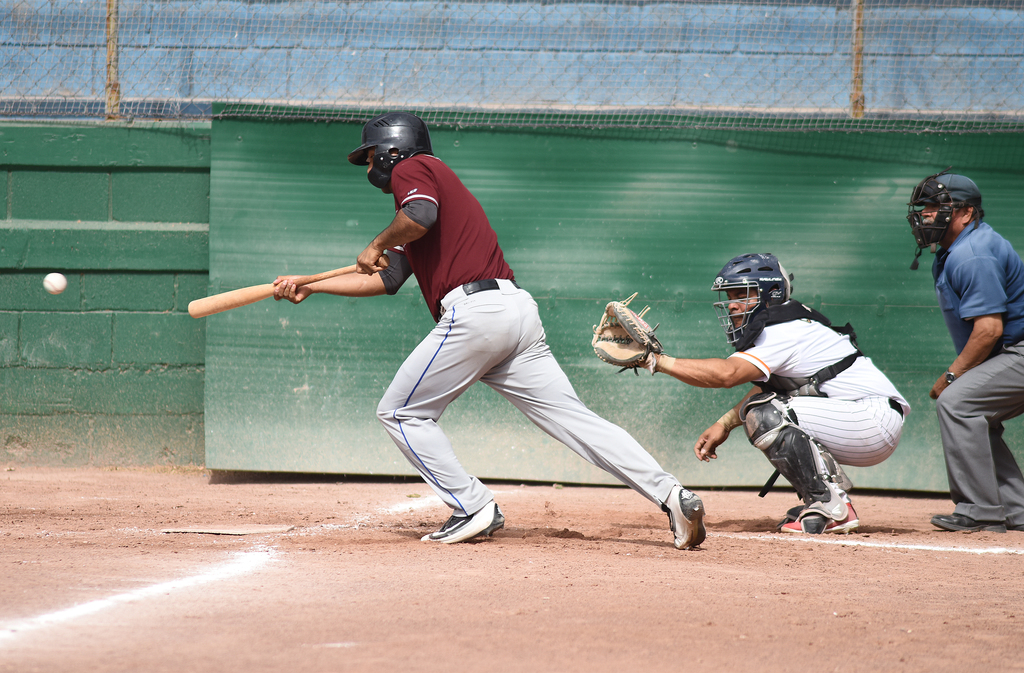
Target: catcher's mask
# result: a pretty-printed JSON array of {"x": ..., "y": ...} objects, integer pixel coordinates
[
  {"x": 948, "y": 191},
  {"x": 394, "y": 136},
  {"x": 762, "y": 277}
]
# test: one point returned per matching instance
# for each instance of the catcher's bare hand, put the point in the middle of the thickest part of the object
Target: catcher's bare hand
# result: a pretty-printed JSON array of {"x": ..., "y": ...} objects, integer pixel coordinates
[
  {"x": 285, "y": 288},
  {"x": 710, "y": 440}
]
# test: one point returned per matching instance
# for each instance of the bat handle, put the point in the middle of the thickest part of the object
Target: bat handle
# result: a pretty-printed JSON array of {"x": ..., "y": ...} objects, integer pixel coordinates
[{"x": 382, "y": 262}]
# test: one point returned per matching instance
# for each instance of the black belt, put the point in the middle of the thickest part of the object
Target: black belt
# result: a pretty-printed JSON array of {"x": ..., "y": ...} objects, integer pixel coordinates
[
  {"x": 481, "y": 285},
  {"x": 896, "y": 406}
]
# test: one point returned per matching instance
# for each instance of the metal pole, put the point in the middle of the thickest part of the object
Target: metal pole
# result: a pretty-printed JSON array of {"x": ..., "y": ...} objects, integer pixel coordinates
[
  {"x": 857, "y": 93},
  {"x": 113, "y": 107}
]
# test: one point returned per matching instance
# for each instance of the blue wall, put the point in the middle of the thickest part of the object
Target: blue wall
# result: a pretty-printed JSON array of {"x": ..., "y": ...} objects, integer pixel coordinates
[{"x": 653, "y": 55}]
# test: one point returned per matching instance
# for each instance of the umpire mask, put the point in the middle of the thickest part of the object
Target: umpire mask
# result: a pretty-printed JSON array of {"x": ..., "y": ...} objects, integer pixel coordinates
[{"x": 948, "y": 191}]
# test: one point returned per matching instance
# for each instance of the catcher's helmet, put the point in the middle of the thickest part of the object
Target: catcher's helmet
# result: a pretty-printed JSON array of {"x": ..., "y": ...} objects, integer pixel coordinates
[
  {"x": 762, "y": 276},
  {"x": 394, "y": 136},
  {"x": 949, "y": 192}
]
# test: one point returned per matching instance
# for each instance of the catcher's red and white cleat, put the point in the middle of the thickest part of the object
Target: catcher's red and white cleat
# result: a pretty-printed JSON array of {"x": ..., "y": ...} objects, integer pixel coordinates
[{"x": 811, "y": 524}]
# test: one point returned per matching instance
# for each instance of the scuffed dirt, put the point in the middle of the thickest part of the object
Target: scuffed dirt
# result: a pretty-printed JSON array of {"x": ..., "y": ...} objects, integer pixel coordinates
[{"x": 581, "y": 579}]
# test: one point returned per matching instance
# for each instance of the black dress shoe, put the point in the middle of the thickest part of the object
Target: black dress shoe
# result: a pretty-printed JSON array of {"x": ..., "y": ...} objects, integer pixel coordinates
[
  {"x": 1019, "y": 527},
  {"x": 965, "y": 523}
]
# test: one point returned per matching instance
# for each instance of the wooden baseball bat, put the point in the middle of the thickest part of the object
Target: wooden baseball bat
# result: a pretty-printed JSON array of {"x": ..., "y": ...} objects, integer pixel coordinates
[{"x": 216, "y": 303}]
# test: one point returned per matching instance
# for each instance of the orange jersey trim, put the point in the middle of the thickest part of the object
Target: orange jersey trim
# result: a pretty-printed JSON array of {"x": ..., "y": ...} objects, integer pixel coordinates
[{"x": 754, "y": 357}]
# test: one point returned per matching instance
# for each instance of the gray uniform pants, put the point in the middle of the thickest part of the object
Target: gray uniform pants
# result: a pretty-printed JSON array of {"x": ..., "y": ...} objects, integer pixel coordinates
[
  {"x": 496, "y": 336},
  {"x": 985, "y": 481}
]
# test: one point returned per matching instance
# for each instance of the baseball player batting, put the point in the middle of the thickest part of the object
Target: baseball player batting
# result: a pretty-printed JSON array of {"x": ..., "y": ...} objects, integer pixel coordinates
[
  {"x": 488, "y": 329},
  {"x": 817, "y": 401}
]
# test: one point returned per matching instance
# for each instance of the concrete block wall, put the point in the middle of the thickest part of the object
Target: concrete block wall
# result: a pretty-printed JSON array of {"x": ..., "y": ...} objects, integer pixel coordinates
[{"x": 110, "y": 372}]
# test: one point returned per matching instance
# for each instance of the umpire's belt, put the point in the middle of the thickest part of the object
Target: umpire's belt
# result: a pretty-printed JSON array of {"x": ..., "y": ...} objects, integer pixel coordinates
[{"x": 474, "y": 287}]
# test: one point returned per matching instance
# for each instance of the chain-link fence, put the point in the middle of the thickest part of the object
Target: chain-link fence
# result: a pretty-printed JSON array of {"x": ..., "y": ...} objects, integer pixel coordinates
[{"x": 851, "y": 64}]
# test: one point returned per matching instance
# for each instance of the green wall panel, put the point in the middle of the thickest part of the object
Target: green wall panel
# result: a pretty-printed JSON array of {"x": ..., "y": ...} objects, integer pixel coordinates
[
  {"x": 66, "y": 339},
  {"x": 128, "y": 291},
  {"x": 111, "y": 391},
  {"x": 582, "y": 219},
  {"x": 147, "y": 440},
  {"x": 24, "y": 291},
  {"x": 146, "y": 246},
  {"x": 96, "y": 439},
  {"x": 167, "y": 339},
  {"x": 106, "y": 145},
  {"x": 160, "y": 196},
  {"x": 189, "y": 287},
  {"x": 65, "y": 195},
  {"x": 110, "y": 371},
  {"x": 9, "y": 327}
]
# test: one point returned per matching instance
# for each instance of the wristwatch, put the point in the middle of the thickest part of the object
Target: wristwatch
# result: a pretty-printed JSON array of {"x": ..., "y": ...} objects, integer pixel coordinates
[{"x": 950, "y": 377}]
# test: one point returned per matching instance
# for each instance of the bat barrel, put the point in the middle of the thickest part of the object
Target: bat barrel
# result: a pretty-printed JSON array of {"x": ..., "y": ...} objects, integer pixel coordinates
[{"x": 200, "y": 308}]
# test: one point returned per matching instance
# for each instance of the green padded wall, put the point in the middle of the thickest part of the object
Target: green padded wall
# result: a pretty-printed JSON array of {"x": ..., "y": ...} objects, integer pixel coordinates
[
  {"x": 110, "y": 372},
  {"x": 583, "y": 218}
]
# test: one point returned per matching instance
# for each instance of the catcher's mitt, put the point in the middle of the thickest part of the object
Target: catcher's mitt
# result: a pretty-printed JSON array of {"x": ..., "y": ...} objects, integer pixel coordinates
[{"x": 623, "y": 338}]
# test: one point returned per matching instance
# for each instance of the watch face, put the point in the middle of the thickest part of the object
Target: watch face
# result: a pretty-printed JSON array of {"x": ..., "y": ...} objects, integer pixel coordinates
[{"x": 950, "y": 377}]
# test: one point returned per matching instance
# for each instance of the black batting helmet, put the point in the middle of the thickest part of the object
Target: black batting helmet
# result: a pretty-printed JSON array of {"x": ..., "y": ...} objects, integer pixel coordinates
[{"x": 394, "y": 136}]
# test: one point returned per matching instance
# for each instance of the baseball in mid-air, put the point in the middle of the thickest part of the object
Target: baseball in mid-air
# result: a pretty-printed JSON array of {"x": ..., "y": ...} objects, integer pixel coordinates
[{"x": 55, "y": 283}]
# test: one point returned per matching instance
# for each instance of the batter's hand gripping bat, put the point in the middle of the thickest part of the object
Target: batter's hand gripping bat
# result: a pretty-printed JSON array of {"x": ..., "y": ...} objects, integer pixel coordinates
[{"x": 200, "y": 308}]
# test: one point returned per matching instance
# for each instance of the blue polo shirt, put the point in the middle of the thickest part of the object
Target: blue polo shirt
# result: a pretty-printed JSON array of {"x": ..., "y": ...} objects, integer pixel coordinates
[{"x": 980, "y": 274}]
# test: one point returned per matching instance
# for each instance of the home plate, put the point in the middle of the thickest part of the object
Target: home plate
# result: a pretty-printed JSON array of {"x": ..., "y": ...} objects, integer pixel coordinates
[{"x": 253, "y": 529}]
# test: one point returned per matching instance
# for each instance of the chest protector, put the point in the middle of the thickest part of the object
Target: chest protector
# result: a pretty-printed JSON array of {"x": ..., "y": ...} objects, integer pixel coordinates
[{"x": 789, "y": 311}]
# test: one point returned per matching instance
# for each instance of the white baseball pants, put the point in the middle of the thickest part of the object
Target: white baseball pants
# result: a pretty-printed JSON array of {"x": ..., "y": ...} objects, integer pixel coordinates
[
  {"x": 496, "y": 336},
  {"x": 856, "y": 432}
]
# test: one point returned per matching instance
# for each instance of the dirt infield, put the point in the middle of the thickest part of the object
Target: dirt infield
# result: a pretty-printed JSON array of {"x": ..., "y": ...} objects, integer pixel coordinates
[{"x": 581, "y": 579}]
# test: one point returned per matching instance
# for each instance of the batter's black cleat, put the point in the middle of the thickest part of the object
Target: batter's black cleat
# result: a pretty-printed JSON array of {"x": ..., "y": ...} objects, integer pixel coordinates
[
  {"x": 959, "y": 522},
  {"x": 685, "y": 517},
  {"x": 462, "y": 528}
]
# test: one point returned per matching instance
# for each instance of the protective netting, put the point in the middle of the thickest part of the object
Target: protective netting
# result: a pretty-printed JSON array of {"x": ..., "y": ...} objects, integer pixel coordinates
[{"x": 851, "y": 64}]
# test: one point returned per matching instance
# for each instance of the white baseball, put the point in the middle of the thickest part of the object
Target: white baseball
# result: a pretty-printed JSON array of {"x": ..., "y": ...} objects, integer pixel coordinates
[{"x": 55, "y": 283}]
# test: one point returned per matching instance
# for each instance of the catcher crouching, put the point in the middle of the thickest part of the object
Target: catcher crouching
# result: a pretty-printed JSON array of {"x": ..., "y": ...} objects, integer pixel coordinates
[{"x": 817, "y": 402}]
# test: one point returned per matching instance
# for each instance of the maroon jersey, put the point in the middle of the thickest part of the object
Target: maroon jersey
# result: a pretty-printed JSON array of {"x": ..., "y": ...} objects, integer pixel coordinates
[{"x": 461, "y": 246}]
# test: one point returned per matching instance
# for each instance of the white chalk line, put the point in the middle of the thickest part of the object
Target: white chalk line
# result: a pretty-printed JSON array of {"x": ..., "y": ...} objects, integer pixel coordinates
[
  {"x": 844, "y": 541},
  {"x": 244, "y": 562}
]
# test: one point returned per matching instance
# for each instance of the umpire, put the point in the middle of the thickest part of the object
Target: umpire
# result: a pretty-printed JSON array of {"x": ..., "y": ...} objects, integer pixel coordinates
[{"x": 979, "y": 280}]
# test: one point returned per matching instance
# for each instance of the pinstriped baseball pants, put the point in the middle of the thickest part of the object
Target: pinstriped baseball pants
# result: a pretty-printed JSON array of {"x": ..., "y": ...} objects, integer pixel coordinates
[
  {"x": 496, "y": 337},
  {"x": 860, "y": 433}
]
